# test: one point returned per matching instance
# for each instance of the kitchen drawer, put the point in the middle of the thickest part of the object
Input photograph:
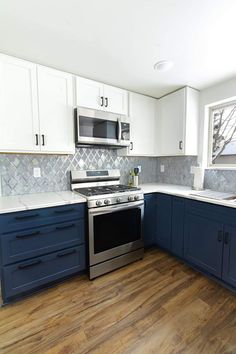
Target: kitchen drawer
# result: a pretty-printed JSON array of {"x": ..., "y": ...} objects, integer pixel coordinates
[
  {"x": 29, "y": 275},
  {"x": 23, "y": 245},
  {"x": 33, "y": 218}
]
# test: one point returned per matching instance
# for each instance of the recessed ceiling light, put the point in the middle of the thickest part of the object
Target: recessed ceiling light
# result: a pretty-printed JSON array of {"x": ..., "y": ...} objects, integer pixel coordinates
[{"x": 163, "y": 65}]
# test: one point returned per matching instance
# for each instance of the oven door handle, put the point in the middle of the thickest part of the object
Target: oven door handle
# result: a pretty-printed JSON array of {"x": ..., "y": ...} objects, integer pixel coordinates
[{"x": 114, "y": 208}]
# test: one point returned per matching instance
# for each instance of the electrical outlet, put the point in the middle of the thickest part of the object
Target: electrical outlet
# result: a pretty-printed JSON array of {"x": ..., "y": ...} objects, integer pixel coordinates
[
  {"x": 37, "y": 172},
  {"x": 140, "y": 168},
  {"x": 192, "y": 170},
  {"x": 162, "y": 168}
]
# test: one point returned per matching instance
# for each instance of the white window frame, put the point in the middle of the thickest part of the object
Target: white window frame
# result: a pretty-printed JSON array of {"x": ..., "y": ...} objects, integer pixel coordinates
[{"x": 209, "y": 116}]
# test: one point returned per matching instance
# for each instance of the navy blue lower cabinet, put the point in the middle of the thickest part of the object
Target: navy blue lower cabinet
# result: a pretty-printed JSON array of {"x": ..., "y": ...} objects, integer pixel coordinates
[
  {"x": 163, "y": 219},
  {"x": 149, "y": 229},
  {"x": 31, "y": 243},
  {"x": 229, "y": 255},
  {"x": 28, "y": 275},
  {"x": 203, "y": 243},
  {"x": 177, "y": 229}
]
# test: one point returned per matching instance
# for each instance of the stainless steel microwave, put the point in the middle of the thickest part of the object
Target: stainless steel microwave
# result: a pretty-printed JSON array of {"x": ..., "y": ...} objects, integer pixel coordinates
[{"x": 101, "y": 128}]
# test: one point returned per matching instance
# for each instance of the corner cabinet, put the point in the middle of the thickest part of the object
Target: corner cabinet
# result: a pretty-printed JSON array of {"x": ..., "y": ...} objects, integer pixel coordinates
[
  {"x": 95, "y": 95},
  {"x": 143, "y": 120},
  {"x": 177, "y": 128},
  {"x": 36, "y": 108}
]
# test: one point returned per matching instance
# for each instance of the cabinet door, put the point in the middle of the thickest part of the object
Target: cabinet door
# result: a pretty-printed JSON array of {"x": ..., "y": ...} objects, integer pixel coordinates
[
  {"x": 164, "y": 210},
  {"x": 171, "y": 109},
  {"x": 89, "y": 94},
  {"x": 18, "y": 105},
  {"x": 143, "y": 125},
  {"x": 229, "y": 258},
  {"x": 203, "y": 243},
  {"x": 177, "y": 230},
  {"x": 115, "y": 100},
  {"x": 149, "y": 229},
  {"x": 55, "y": 91}
]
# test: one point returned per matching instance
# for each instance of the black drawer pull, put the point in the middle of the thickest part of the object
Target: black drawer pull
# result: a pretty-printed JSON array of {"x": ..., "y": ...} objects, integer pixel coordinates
[
  {"x": 28, "y": 235},
  {"x": 66, "y": 253},
  {"x": 64, "y": 211},
  {"x": 65, "y": 227},
  {"x": 25, "y": 217},
  {"x": 227, "y": 238},
  {"x": 29, "y": 264}
]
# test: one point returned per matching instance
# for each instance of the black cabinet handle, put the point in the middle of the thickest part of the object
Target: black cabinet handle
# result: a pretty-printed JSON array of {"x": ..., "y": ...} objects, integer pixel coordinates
[
  {"x": 28, "y": 235},
  {"x": 66, "y": 253},
  {"x": 64, "y": 211},
  {"x": 65, "y": 227},
  {"x": 181, "y": 145},
  {"x": 106, "y": 102},
  {"x": 227, "y": 238},
  {"x": 131, "y": 146},
  {"x": 220, "y": 236},
  {"x": 29, "y": 264},
  {"x": 102, "y": 101},
  {"x": 43, "y": 140},
  {"x": 36, "y": 139},
  {"x": 25, "y": 217}
]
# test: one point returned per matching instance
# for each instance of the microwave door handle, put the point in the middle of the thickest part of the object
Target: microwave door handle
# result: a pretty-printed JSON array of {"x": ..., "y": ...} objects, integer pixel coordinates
[{"x": 119, "y": 130}]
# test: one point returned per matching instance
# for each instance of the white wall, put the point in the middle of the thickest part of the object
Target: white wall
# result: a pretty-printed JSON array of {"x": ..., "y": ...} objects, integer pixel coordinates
[{"x": 208, "y": 97}]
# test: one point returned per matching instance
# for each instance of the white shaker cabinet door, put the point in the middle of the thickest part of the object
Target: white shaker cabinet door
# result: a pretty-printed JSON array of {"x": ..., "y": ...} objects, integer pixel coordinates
[
  {"x": 89, "y": 94},
  {"x": 19, "y": 125},
  {"x": 115, "y": 100},
  {"x": 143, "y": 125},
  {"x": 55, "y": 93},
  {"x": 171, "y": 109}
]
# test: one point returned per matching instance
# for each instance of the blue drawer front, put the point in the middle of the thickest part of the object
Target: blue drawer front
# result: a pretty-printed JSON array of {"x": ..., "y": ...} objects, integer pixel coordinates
[
  {"x": 29, "y": 275},
  {"x": 33, "y": 218},
  {"x": 23, "y": 245}
]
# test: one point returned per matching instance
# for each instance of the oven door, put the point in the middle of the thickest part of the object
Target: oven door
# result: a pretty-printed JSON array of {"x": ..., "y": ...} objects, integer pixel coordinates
[{"x": 115, "y": 230}]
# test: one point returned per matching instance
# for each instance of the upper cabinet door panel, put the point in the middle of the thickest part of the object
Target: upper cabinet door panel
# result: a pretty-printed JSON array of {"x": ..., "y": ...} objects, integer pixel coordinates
[
  {"x": 18, "y": 105},
  {"x": 89, "y": 94},
  {"x": 55, "y": 92},
  {"x": 171, "y": 114},
  {"x": 143, "y": 120},
  {"x": 115, "y": 100}
]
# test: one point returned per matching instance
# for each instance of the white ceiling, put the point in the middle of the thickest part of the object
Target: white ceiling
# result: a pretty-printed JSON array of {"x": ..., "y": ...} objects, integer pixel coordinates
[{"x": 118, "y": 41}]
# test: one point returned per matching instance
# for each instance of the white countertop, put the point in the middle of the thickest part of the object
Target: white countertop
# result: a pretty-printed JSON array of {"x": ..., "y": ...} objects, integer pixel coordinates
[
  {"x": 45, "y": 200},
  {"x": 38, "y": 200},
  {"x": 182, "y": 191}
]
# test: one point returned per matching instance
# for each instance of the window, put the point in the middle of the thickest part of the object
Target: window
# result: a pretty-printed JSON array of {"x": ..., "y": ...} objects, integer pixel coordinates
[{"x": 222, "y": 139}]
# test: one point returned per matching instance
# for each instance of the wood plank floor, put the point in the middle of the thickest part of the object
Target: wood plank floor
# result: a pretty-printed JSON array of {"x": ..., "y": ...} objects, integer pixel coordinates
[{"x": 157, "y": 305}]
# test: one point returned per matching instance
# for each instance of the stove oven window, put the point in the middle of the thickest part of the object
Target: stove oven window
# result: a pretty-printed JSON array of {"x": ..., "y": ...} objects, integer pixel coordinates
[{"x": 115, "y": 229}]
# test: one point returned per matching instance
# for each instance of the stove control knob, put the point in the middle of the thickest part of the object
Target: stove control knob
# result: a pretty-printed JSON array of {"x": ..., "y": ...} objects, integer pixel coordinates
[
  {"x": 106, "y": 201},
  {"x": 136, "y": 197},
  {"x": 118, "y": 200},
  {"x": 98, "y": 202},
  {"x": 130, "y": 198}
]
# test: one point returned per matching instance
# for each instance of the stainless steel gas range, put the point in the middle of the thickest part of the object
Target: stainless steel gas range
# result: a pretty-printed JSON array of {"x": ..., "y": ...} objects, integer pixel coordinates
[{"x": 115, "y": 219}]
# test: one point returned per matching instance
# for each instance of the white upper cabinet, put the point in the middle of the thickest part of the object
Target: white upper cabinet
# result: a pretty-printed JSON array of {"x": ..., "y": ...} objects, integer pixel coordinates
[
  {"x": 89, "y": 93},
  {"x": 143, "y": 118},
  {"x": 177, "y": 126},
  {"x": 55, "y": 93},
  {"x": 94, "y": 95},
  {"x": 19, "y": 124},
  {"x": 36, "y": 108},
  {"x": 115, "y": 100}
]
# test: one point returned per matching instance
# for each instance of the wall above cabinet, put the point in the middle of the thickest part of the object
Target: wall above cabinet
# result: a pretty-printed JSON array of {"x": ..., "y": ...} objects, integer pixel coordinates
[{"x": 95, "y": 95}]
